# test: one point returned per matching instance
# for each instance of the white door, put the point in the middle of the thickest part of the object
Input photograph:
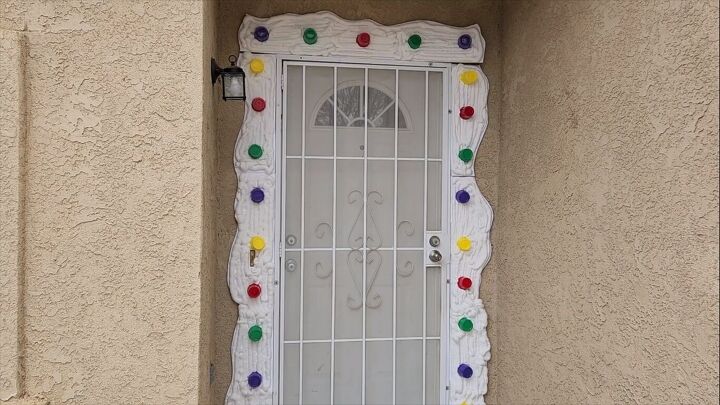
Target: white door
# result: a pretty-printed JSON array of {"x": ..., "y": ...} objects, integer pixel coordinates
[{"x": 363, "y": 313}]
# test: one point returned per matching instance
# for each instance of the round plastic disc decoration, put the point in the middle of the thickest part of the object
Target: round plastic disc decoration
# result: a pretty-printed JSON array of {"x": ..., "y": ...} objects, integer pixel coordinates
[
  {"x": 254, "y": 379},
  {"x": 465, "y": 155},
  {"x": 414, "y": 41},
  {"x": 257, "y": 243},
  {"x": 257, "y": 65},
  {"x": 310, "y": 36},
  {"x": 465, "y": 371},
  {"x": 465, "y": 324},
  {"x": 254, "y": 290},
  {"x": 464, "y": 41},
  {"x": 464, "y": 283},
  {"x": 255, "y": 333},
  {"x": 258, "y": 104},
  {"x": 466, "y": 112},
  {"x": 255, "y": 151},
  {"x": 261, "y": 33},
  {"x": 469, "y": 77},
  {"x": 257, "y": 195},
  {"x": 462, "y": 196},
  {"x": 363, "y": 39},
  {"x": 464, "y": 243}
]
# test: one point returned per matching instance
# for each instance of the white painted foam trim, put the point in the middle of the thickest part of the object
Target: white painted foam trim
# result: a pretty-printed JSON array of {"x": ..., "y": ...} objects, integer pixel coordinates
[
  {"x": 254, "y": 219},
  {"x": 467, "y": 133},
  {"x": 473, "y": 220},
  {"x": 337, "y": 37}
]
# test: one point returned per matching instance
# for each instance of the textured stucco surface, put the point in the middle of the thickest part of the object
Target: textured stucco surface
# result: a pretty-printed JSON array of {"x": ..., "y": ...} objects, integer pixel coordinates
[
  {"x": 112, "y": 199},
  {"x": 11, "y": 134},
  {"x": 229, "y": 114},
  {"x": 607, "y": 288}
]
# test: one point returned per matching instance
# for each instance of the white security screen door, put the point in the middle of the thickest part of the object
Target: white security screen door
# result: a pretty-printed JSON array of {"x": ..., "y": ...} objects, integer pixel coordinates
[{"x": 363, "y": 309}]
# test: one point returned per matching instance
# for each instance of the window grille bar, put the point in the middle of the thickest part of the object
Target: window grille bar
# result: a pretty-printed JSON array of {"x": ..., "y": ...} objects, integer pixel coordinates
[
  {"x": 395, "y": 210},
  {"x": 334, "y": 234},
  {"x": 302, "y": 235},
  {"x": 425, "y": 208},
  {"x": 364, "y": 269}
]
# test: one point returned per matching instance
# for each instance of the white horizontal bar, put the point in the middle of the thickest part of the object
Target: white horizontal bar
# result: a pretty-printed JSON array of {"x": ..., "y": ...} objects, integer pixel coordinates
[
  {"x": 360, "y": 340},
  {"x": 370, "y": 63},
  {"x": 411, "y": 249},
  {"x": 361, "y": 158}
]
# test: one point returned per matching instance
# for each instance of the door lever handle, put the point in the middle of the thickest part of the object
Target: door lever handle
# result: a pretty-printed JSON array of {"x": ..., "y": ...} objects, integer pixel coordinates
[{"x": 435, "y": 256}]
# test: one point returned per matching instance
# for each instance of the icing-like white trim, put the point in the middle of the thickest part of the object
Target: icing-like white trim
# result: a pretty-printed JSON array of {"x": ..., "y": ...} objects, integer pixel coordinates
[
  {"x": 472, "y": 220},
  {"x": 337, "y": 36},
  {"x": 254, "y": 219}
]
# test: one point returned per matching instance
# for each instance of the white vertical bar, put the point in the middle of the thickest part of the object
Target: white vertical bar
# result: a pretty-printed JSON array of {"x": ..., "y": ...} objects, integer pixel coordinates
[
  {"x": 364, "y": 270},
  {"x": 424, "y": 295},
  {"x": 395, "y": 244},
  {"x": 446, "y": 201},
  {"x": 302, "y": 234},
  {"x": 280, "y": 211},
  {"x": 334, "y": 234}
]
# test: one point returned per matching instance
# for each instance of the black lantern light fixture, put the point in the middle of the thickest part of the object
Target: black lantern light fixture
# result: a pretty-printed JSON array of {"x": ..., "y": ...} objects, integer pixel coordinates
[{"x": 233, "y": 79}]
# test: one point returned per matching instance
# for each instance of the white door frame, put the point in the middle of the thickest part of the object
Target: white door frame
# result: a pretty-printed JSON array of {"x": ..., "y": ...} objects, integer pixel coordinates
[
  {"x": 347, "y": 62},
  {"x": 255, "y": 365}
]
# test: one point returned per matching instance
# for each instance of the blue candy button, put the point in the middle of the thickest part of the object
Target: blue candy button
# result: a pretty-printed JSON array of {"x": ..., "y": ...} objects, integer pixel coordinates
[
  {"x": 465, "y": 371},
  {"x": 462, "y": 196},
  {"x": 254, "y": 379},
  {"x": 261, "y": 34},
  {"x": 257, "y": 195},
  {"x": 464, "y": 41}
]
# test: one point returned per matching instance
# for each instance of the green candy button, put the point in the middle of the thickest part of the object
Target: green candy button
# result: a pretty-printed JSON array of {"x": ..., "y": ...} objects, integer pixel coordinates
[
  {"x": 255, "y": 333},
  {"x": 465, "y": 155},
  {"x": 465, "y": 324},
  {"x": 415, "y": 41},
  {"x": 255, "y": 151},
  {"x": 310, "y": 36}
]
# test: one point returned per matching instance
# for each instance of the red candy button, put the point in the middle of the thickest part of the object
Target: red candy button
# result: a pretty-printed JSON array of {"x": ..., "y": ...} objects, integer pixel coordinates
[
  {"x": 254, "y": 290},
  {"x": 466, "y": 112},
  {"x": 464, "y": 283},
  {"x": 258, "y": 104},
  {"x": 363, "y": 39}
]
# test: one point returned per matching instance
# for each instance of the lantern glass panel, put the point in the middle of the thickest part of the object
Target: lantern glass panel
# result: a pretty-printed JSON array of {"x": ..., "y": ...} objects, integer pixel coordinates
[{"x": 234, "y": 86}]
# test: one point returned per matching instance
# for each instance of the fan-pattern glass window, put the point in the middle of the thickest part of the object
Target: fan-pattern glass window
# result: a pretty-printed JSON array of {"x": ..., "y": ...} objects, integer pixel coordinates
[{"x": 381, "y": 109}]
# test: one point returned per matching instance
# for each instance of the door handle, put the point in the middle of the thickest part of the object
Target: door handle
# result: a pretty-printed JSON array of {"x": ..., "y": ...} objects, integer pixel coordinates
[
  {"x": 435, "y": 256},
  {"x": 253, "y": 254}
]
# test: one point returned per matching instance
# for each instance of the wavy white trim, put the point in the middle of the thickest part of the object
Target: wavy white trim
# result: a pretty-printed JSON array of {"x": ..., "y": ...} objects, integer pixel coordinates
[
  {"x": 473, "y": 220},
  {"x": 336, "y": 37},
  {"x": 254, "y": 219},
  {"x": 467, "y": 133}
]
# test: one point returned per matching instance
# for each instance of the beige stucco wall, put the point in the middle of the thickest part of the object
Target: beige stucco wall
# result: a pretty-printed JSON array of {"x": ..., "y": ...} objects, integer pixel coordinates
[
  {"x": 117, "y": 186},
  {"x": 230, "y": 14},
  {"x": 607, "y": 232},
  {"x": 109, "y": 206}
]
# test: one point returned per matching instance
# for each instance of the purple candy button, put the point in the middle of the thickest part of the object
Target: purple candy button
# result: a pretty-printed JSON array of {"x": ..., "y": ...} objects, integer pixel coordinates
[
  {"x": 261, "y": 34},
  {"x": 465, "y": 371},
  {"x": 462, "y": 196},
  {"x": 464, "y": 41},
  {"x": 257, "y": 195},
  {"x": 254, "y": 379}
]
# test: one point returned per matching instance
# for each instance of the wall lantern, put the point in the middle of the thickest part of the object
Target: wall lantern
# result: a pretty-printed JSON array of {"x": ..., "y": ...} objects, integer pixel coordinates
[{"x": 233, "y": 79}]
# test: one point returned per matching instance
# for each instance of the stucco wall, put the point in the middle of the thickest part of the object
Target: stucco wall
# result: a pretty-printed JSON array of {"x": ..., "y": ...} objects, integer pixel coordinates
[
  {"x": 230, "y": 14},
  {"x": 111, "y": 198},
  {"x": 607, "y": 288}
]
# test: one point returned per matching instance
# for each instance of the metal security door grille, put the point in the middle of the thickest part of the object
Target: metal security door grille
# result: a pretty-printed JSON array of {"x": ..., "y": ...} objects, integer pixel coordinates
[{"x": 362, "y": 310}]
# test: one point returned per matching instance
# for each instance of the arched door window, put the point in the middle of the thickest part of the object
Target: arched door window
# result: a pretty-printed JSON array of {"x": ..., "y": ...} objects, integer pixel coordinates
[{"x": 381, "y": 109}]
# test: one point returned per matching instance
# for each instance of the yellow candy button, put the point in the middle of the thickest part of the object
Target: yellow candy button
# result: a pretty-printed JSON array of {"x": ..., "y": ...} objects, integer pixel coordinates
[
  {"x": 257, "y": 66},
  {"x": 464, "y": 403},
  {"x": 257, "y": 243},
  {"x": 469, "y": 77},
  {"x": 464, "y": 243}
]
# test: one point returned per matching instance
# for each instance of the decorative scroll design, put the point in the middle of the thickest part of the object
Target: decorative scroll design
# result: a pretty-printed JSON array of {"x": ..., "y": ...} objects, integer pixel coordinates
[
  {"x": 473, "y": 220},
  {"x": 372, "y": 257},
  {"x": 337, "y": 37},
  {"x": 407, "y": 269}
]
